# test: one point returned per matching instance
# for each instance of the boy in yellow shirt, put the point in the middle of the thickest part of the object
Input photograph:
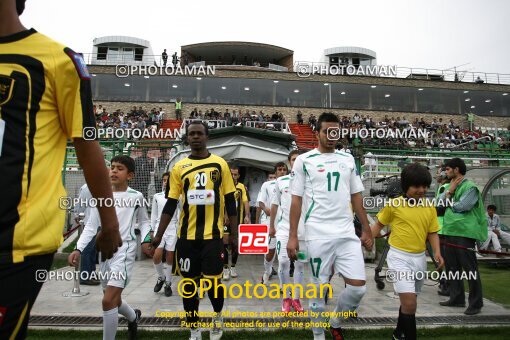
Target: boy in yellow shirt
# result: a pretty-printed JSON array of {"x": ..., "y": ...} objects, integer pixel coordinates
[{"x": 413, "y": 221}]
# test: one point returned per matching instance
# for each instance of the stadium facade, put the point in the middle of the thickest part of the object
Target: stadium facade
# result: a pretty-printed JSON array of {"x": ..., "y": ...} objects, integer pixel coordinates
[{"x": 252, "y": 76}]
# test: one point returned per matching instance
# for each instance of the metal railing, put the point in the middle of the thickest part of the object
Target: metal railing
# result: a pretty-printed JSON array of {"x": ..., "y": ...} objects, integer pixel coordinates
[
  {"x": 275, "y": 126},
  {"x": 402, "y": 72},
  {"x": 149, "y": 60},
  {"x": 216, "y": 124},
  {"x": 212, "y": 124},
  {"x": 415, "y": 73}
]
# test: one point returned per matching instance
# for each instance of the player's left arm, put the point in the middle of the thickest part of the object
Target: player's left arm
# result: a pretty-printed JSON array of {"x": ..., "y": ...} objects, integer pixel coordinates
[
  {"x": 356, "y": 188},
  {"x": 246, "y": 202},
  {"x": 229, "y": 189},
  {"x": 366, "y": 236},
  {"x": 73, "y": 98}
]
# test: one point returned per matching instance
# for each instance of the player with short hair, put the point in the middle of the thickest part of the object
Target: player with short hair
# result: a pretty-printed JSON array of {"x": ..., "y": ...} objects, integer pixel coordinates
[
  {"x": 412, "y": 224},
  {"x": 169, "y": 239},
  {"x": 230, "y": 236},
  {"x": 279, "y": 228},
  {"x": 204, "y": 184},
  {"x": 264, "y": 200},
  {"x": 120, "y": 266},
  {"x": 325, "y": 183},
  {"x": 45, "y": 100}
]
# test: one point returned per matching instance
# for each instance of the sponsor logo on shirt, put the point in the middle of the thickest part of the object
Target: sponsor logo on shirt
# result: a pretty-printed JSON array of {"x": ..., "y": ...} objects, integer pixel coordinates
[{"x": 200, "y": 197}]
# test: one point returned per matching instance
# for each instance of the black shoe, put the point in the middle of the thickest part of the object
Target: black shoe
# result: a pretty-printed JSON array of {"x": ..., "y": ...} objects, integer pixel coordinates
[
  {"x": 291, "y": 271},
  {"x": 159, "y": 285},
  {"x": 449, "y": 303},
  {"x": 472, "y": 311},
  {"x": 91, "y": 282},
  {"x": 273, "y": 272},
  {"x": 443, "y": 292},
  {"x": 398, "y": 335},
  {"x": 336, "y": 333},
  {"x": 168, "y": 290},
  {"x": 133, "y": 325}
]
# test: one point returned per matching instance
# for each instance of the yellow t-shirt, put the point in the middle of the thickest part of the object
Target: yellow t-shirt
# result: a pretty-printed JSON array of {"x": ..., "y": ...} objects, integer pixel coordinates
[
  {"x": 45, "y": 99},
  {"x": 201, "y": 184},
  {"x": 409, "y": 224}
]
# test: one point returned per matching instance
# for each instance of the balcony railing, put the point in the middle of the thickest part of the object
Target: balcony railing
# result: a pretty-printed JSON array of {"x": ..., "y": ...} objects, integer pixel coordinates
[{"x": 401, "y": 72}]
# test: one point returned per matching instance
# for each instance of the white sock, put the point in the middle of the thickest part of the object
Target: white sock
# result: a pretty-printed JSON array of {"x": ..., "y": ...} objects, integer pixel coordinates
[
  {"x": 317, "y": 307},
  {"x": 299, "y": 277},
  {"x": 168, "y": 274},
  {"x": 348, "y": 301},
  {"x": 159, "y": 270},
  {"x": 283, "y": 274},
  {"x": 110, "y": 323},
  {"x": 127, "y": 311},
  {"x": 268, "y": 265}
]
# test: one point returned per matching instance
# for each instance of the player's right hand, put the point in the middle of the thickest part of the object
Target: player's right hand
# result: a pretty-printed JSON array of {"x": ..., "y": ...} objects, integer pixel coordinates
[
  {"x": 73, "y": 258},
  {"x": 108, "y": 242},
  {"x": 156, "y": 241},
  {"x": 292, "y": 248},
  {"x": 272, "y": 231}
]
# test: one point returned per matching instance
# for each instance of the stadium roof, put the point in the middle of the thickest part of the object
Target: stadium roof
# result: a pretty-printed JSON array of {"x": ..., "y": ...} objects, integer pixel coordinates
[{"x": 242, "y": 51}]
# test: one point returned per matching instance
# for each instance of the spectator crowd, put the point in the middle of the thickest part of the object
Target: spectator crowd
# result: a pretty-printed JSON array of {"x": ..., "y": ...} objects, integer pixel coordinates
[{"x": 440, "y": 134}]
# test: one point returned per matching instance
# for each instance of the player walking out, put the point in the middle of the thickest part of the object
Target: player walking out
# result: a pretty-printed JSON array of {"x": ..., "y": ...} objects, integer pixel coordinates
[
  {"x": 204, "y": 184},
  {"x": 231, "y": 237},
  {"x": 119, "y": 267},
  {"x": 168, "y": 241},
  {"x": 264, "y": 200},
  {"x": 280, "y": 209},
  {"x": 327, "y": 183},
  {"x": 45, "y": 100}
]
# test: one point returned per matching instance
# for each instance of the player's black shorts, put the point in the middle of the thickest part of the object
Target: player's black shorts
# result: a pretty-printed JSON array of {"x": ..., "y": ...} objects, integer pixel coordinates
[
  {"x": 20, "y": 284},
  {"x": 197, "y": 258}
]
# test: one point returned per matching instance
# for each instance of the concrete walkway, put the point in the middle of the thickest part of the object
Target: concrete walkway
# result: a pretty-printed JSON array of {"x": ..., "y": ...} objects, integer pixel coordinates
[{"x": 139, "y": 294}]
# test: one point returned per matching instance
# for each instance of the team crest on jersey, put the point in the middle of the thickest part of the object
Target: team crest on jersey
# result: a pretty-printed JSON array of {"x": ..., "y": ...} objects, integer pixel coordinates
[
  {"x": 80, "y": 65},
  {"x": 215, "y": 175},
  {"x": 321, "y": 168},
  {"x": 6, "y": 86}
]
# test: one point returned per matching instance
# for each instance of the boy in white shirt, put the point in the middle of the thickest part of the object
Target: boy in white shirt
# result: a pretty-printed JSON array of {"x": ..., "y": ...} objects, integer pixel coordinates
[
  {"x": 168, "y": 242},
  {"x": 129, "y": 206},
  {"x": 279, "y": 228},
  {"x": 264, "y": 202}
]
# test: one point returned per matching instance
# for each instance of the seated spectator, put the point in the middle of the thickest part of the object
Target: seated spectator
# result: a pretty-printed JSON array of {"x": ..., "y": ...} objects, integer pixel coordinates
[{"x": 495, "y": 232}]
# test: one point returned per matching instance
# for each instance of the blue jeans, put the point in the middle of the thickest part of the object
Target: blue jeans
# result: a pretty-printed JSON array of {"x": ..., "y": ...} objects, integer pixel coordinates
[{"x": 88, "y": 258}]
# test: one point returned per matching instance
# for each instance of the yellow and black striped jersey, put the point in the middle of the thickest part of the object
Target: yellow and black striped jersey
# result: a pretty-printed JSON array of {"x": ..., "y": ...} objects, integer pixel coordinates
[
  {"x": 45, "y": 99},
  {"x": 241, "y": 198},
  {"x": 202, "y": 184}
]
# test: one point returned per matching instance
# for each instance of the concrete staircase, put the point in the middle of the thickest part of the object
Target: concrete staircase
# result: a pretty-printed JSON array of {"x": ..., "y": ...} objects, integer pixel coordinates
[{"x": 305, "y": 137}]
